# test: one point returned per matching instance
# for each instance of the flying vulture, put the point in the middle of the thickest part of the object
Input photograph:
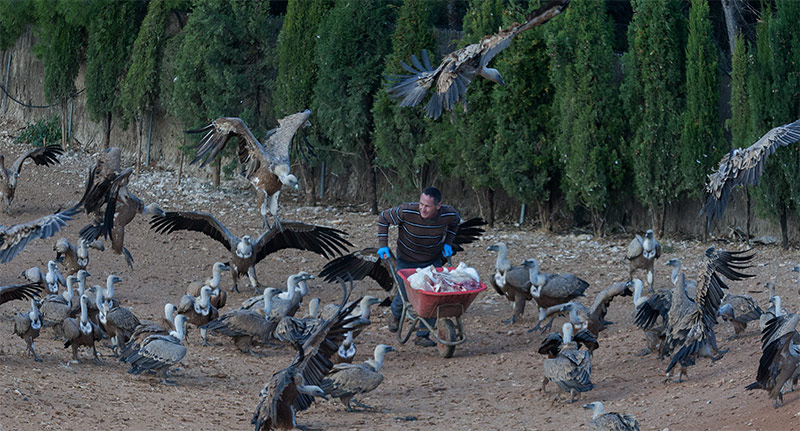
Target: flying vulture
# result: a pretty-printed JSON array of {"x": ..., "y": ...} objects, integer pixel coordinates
[
  {"x": 14, "y": 238},
  {"x": 245, "y": 252},
  {"x": 266, "y": 165},
  {"x": 44, "y": 156},
  {"x": 744, "y": 167},
  {"x": 457, "y": 68}
]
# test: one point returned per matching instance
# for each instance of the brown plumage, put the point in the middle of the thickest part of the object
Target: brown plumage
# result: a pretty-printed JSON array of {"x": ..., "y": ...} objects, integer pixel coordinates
[
  {"x": 147, "y": 328},
  {"x": 199, "y": 311},
  {"x": 592, "y": 319},
  {"x": 642, "y": 253},
  {"x": 780, "y": 357},
  {"x": 219, "y": 297},
  {"x": 571, "y": 369},
  {"x": 458, "y": 68},
  {"x": 14, "y": 238},
  {"x": 27, "y": 326},
  {"x": 81, "y": 332},
  {"x": 72, "y": 258},
  {"x": 247, "y": 327},
  {"x": 290, "y": 390},
  {"x": 513, "y": 282},
  {"x": 743, "y": 167},
  {"x": 690, "y": 324},
  {"x": 245, "y": 253},
  {"x": 345, "y": 381},
  {"x": 118, "y": 323},
  {"x": 55, "y": 308},
  {"x": 266, "y": 165},
  {"x": 602, "y": 421},
  {"x": 551, "y": 289},
  {"x": 739, "y": 310},
  {"x": 42, "y": 156}
]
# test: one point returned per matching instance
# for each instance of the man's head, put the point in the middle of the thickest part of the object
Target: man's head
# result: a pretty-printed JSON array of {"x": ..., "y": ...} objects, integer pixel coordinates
[{"x": 429, "y": 202}]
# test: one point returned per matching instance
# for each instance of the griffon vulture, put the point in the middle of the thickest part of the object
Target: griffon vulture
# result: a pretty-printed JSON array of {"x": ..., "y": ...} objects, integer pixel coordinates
[{"x": 43, "y": 156}]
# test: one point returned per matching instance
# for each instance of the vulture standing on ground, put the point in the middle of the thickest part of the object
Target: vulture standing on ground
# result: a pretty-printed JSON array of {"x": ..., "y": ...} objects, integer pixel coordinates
[
  {"x": 14, "y": 238},
  {"x": 218, "y": 296},
  {"x": 592, "y": 318},
  {"x": 114, "y": 206},
  {"x": 571, "y": 369},
  {"x": 651, "y": 315},
  {"x": 510, "y": 281},
  {"x": 43, "y": 156},
  {"x": 159, "y": 352},
  {"x": 690, "y": 324},
  {"x": 147, "y": 328},
  {"x": 266, "y": 165},
  {"x": 27, "y": 326},
  {"x": 551, "y": 289},
  {"x": 642, "y": 254},
  {"x": 602, "y": 421},
  {"x": 744, "y": 167},
  {"x": 740, "y": 310},
  {"x": 245, "y": 253},
  {"x": 81, "y": 332},
  {"x": 74, "y": 259},
  {"x": 450, "y": 79},
  {"x": 780, "y": 357},
  {"x": 345, "y": 381},
  {"x": 290, "y": 390},
  {"x": 366, "y": 263},
  {"x": 199, "y": 311}
]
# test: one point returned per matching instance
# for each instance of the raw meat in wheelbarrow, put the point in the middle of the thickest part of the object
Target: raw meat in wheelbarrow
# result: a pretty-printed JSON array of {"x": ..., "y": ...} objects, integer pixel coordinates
[{"x": 460, "y": 279}]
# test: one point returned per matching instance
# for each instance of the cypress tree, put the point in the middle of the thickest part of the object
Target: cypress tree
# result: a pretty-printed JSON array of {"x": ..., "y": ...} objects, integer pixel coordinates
[
  {"x": 654, "y": 94},
  {"x": 112, "y": 30},
  {"x": 14, "y": 16},
  {"x": 588, "y": 125},
  {"x": 298, "y": 71},
  {"x": 400, "y": 133},
  {"x": 354, "y": 41},
  {"x": 739, "y": 123},
  {"x": 701, "y": 144}
]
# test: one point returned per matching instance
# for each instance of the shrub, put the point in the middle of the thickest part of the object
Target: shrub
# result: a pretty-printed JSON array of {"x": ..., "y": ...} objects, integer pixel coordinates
[{"x": 42, "y": 130}]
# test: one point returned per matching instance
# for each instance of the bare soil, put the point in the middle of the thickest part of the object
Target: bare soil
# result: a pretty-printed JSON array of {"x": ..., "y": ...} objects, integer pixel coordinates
[{"x": 492, "y": 382}]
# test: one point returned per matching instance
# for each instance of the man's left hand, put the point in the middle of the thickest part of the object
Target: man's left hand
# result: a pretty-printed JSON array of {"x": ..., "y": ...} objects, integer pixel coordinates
[{"x": 447, "y": 250}]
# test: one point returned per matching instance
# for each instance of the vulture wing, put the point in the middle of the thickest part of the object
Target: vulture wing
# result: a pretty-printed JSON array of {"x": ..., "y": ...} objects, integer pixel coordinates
[
  {"x": 217, "y": 135},
  {"x": 195, "y": 221},
  {"x": 324, "y": 241},
  {"x": 15, "y": 238},
  {"x": 277, "y": 145},
  {"x": 744, "y": 167},
  {"x": 41, "y": 156},
  {"x": 19, "y": 291}
]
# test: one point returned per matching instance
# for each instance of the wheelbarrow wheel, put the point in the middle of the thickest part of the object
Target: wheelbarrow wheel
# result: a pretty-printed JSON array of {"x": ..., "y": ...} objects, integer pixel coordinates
[{"x": 447, "y": 332}]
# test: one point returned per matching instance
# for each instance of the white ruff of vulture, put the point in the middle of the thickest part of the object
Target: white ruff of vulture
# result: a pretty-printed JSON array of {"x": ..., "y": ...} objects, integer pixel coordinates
[
  {"x": 292, "y": 389},
  {"x": 113, "y": 205},
  {"x": 459, "y": 67},
  {"x": 366, "y": 263},
  {"x": 743, "y": 167},
  {"x": 780, "y": 357},
  {"x": 246, "y": 253},
  {"x": 14, "y": 238},
  {"x": 690, "y": 325},
  {"x": 42, "y": 156},
  {"x": 266, "y": 165}
]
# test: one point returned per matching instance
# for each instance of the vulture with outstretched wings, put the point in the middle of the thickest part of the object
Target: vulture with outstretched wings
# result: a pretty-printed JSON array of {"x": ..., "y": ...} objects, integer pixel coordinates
[
  {"x": 449, "y": 81},
  {"x": 743, "y": 167},
  {"x": 43, "y": 156},
  {"x": 245, "y": 252},
  {"x": 266, "y": 165},
  {"x": 13, "y": 239}
]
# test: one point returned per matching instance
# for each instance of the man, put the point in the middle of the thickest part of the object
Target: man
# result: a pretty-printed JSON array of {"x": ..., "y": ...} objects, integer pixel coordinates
[{"x": 425, "y": 233}]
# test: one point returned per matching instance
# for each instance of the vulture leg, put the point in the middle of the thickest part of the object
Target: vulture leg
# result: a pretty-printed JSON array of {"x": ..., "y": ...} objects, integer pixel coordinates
[
  {"x": 8, "y": 205},
  {"x": 644, "y": 352},
  {"x": 539, "y": 326},
  {"x": 251, "y": 274},
  {"x": 97, "y": 360},
  {"x": 650, "y": 278},
  {"x": 519, "y": 309},
  {"x": 74, "y": 354},
  {"x": 163, "y": 374},
  {"x": 29, "y": 342},
  {"x": 544, "y": 385},
  {"x": 235, "y": 276},
  {"x": 264, "y": 206},
  {"x": 363, "y": 406},
  {"x": 273, "y": 208},
  {"x": 204, "y": 334}
]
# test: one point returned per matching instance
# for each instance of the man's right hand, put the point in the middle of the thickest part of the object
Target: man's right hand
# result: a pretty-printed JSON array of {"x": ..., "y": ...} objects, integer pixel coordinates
[{"x": 383, "y": 252}]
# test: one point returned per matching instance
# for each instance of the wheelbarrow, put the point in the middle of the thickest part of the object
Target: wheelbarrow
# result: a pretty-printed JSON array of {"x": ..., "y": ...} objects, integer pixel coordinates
[{"x": 440, "y": 305}]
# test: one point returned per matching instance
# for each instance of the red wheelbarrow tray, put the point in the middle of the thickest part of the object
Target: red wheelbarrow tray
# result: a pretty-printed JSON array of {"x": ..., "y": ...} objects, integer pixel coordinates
[{"x": 450, "y": 304}]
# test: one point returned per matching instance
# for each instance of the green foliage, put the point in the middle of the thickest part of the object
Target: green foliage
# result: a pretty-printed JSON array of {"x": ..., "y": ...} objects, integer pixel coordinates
[
  {"x": 60, "y": 41},
  {"x": 588, "y": 125},
  {"x": 701, "y": 143},
  {"x": 653, "y": 93},
  {"x": 40, "y": 132},
  {"x": 140, "y": 88},
  {"x": 739, "y": 123},
  {"x": 112, "y": 31},
  {"x": 522, "y": 158},
  {"x": 354, "y": 40},
  {"x": 226, "y": 64},
  {"x": 400, "y": 133},
  {"x": 14, "y": 16}
]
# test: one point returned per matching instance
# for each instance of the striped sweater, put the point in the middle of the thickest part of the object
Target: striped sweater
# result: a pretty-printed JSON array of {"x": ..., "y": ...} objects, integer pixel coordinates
[{"x": 418, "y": 239}]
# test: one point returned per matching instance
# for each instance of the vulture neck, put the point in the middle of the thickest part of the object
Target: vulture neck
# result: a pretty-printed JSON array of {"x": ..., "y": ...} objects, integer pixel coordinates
[
  {"x": 204, "y": 304},
  {"x": 70, "y": 292},
  {"x": 533, "y": 275},
  {"x": 215, "y": 277},
  {"x": 638, "y": 299},
  {"x": 85, "y": 326},
  {"x": 313, "y": 308},
  {"x": 267, "y": 304},
  {"x": 109, "y": 293},
  {"x": 178, "y": 332},
  {"x": 598, "y": 410},
  {"x": 291, "y": 288},
  {"x": 34, "y": 316},
  {"x": 98, "y": 297},
  {"x": 377, "y": 362},
  {"x": 777, "y": 300},
  {"x": 502, "y": 264},
  {"x": 567, "y": 333},
  {"x": 675, "y": 271},
  {"x": 169, "y": 310},
  {"x": 365, "y": 307}
]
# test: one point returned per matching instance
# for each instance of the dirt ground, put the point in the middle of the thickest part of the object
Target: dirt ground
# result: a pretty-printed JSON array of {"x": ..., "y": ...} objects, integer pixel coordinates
[{"x": 492, "y": 382}]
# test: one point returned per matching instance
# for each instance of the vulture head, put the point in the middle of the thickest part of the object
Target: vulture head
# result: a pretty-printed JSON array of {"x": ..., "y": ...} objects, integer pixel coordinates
[{"x": 245, "y": 248}]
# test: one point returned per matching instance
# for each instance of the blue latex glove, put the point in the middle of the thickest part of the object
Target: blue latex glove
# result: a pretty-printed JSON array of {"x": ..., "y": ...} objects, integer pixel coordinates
[
  {"x": 383, "y": 252},
  {"x": 447, "y": 251}
]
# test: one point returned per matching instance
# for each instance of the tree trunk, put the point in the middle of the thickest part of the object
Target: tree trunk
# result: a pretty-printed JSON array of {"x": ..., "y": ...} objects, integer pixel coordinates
[
  {"x": 215, "y": 173},
  {"x": 784, "y": 230},
  {"x": 544, "y": 216},
  {"x": 747, "y": 232},
  {"x": 309, "y": 185},
  {"x": 107, "y": 136},
  {"x": 372, "y": 179},
  {"x": 663, "y": 219},
  {"x": 139, "y": 145},
  {"x": 64, "y": 125},
  {"x": 490, "y": 198},
  {"x": 729, "y": 7},
  {"x": 598, "y": 222},
  {"x": 180, "y": 167}
]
